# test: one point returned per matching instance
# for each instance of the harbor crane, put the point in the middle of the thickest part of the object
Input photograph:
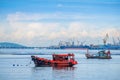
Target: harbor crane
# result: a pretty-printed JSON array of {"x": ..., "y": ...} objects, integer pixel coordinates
[
  {"x": 114, "y": 41},
  {"x": 118, "y": 40},
  {"x": 105, "y": 39},
  {"x": 82, "y": 43},
  {"x": 61, "y": 43}
]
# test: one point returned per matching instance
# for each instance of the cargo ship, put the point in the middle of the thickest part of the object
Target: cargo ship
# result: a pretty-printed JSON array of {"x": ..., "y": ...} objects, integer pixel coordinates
[{"x": 91, "y": 47}]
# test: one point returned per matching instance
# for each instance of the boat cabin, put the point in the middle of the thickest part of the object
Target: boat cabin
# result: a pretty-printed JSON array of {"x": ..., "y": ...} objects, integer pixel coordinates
[{"x": 62, "y": 57}]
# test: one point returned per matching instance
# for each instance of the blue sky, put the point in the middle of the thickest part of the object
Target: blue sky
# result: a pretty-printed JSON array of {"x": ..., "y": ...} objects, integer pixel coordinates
[{"x": 46, "y": 22}]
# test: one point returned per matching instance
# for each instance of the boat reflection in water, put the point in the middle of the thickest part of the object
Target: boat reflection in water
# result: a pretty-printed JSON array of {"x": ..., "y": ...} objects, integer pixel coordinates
[
  {"x": 63, "y": 68},
  {"x": 63, "y": 73}
]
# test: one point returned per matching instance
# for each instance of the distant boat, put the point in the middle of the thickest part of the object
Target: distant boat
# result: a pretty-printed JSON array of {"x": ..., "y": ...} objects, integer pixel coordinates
[{"x": 99, "y": 55}]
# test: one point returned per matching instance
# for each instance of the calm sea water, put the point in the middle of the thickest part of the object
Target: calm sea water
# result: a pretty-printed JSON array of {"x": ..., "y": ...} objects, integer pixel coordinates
[{"x": 20, "y": 67}]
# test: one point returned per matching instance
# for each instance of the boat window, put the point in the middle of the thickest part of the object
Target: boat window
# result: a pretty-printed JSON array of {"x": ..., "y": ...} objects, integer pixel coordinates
[{"x": 66, "y": 58}]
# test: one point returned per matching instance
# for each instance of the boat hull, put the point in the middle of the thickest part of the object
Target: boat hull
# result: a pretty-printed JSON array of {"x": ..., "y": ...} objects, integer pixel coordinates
[
  {"x": 91, "y": 57},
  {"x": 97, "y": 57}
]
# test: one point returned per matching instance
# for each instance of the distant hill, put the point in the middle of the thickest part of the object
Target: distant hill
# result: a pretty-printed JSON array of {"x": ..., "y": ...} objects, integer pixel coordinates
[{"x": 11, "y": 45}]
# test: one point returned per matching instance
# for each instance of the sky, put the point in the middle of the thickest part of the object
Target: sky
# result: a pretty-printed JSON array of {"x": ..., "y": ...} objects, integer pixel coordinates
[{"x": 46, "y": 22}]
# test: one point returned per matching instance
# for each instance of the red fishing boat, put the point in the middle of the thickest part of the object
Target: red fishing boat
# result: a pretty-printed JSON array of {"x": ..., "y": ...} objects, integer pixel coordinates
[{"x": 59, "y": 60}]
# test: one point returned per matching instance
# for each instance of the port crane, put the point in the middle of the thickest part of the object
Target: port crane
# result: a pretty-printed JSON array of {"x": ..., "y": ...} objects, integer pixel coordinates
[
  {"x": 119, "y": 40},
  {"x": 82, "y": 43},
  {"x": 105, "y": 39},
  {"x": 61, "y": 43},
  {"x": 116, "y": 43}
]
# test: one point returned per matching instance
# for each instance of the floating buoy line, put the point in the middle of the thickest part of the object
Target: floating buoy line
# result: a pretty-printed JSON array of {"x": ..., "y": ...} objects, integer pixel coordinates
[{"x": 22, "y": 65}]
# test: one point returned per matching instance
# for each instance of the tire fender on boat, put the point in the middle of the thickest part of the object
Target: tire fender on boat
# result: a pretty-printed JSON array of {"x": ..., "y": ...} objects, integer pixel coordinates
[
  {"x": 70, "y": 63},
  {"x": 49, "y": 63},
  {"x": 55, "y": 64}
]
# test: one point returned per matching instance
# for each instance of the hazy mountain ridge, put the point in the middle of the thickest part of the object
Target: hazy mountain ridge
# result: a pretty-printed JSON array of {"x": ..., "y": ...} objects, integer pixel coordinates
[{"x": 11, "y": 45}]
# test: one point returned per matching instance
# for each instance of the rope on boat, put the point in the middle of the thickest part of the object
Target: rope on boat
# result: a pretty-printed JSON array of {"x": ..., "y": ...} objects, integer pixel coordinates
[{"x": 29, "y": 63}]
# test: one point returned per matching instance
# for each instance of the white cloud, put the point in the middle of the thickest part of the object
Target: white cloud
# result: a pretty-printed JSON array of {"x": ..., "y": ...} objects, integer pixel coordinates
[
  {"x": 1, "y": 32},
  {"x": 114, "y": 32},
  {"x": 60, "y": 5},
  {"x": 43, "y": 33},
  {"x": 19, "y": 16}
]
